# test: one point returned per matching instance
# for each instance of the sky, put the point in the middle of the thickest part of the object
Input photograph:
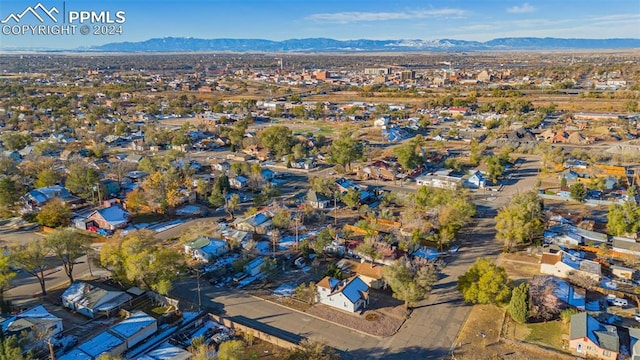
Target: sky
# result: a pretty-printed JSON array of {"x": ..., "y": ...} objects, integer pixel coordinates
[{"x": 479, "y": 20}]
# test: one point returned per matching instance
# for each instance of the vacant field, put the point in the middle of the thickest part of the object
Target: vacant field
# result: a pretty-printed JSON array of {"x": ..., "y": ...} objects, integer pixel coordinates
[
  {"x": 480, "y": 333},
  {"x": 483, "y": 319},
  {"x": 520, "y": 266}
]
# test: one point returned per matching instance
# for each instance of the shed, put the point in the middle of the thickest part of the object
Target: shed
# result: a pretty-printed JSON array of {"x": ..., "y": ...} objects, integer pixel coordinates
[
  {"x": 254, "y": 267},
  {"x": 104, "y": 343},
  {"x": 136, "y": 328}
]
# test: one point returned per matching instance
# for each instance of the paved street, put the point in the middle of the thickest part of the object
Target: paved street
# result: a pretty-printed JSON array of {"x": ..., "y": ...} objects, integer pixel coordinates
[
  {"x": 25, "y": 288},
  {"x": 274, "y": 319}
]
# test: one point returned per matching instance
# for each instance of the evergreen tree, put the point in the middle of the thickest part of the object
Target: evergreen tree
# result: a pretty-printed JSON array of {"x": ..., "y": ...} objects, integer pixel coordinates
[{"x": 519, "y": 304}]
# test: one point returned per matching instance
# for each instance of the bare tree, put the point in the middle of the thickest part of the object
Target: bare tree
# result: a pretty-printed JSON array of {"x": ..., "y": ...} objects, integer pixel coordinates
[{"x": 32, "y": 259}]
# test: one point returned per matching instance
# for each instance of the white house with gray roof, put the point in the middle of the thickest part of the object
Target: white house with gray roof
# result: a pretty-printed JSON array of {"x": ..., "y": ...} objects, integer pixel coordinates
[
  {"x": 36, "y": 323},
  {"x": 92, "y": 299},
  {"x": 350, "y": 295}
]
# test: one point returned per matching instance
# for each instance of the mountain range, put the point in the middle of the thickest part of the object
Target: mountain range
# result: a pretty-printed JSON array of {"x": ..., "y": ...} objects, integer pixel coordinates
[{"x": 314, "y": 45}]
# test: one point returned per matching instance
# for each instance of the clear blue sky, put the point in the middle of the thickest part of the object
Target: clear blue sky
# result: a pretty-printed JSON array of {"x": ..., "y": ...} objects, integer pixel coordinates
[{"x": 345, "y": 19}]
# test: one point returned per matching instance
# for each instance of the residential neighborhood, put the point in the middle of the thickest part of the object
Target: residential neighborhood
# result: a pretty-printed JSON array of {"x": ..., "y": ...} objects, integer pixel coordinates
[{"x": 152, "y": 209}]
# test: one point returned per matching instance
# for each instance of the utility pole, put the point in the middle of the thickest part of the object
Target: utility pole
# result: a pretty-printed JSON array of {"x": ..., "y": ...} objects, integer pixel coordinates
[
  {"x": 297, "y": 222},
  {"x": 335, "y": 210},
  {"x": 199, "y": 297},
  {"x": 89, "y": 261}
]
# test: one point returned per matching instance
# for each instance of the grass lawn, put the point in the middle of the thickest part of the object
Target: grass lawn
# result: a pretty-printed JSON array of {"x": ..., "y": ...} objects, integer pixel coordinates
[{"x": 549, "y": 333}]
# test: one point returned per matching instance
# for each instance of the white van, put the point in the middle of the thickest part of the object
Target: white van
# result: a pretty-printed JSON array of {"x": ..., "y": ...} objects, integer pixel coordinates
[{"x": 620, "y": 302}]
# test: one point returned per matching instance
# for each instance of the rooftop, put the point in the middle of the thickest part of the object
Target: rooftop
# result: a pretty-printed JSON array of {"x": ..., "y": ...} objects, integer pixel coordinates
[
  {"x": 100, "y": 344},
  {"x": 133, "y": 324}
]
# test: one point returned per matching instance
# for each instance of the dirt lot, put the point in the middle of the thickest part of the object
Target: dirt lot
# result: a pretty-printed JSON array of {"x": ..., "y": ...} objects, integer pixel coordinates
[
  {"x": 258, "y": 349},
  {"x": 520, "y": 266}
]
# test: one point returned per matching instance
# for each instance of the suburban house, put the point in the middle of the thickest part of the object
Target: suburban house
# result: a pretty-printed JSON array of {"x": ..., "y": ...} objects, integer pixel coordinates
[
  {"x": 589, "y": 236},
  {"x": 239, "y": 182},
  {"x": 205, "y": 248},
  {"x": 562, "y": 238},
  {"x": 34, "y": 199},
  {"x": 371, "y": 274},
  {"x": 350, "y": 295},
  {"x": 626, "y": 245},
  {"x": 258, "y": 223},
  {"x": 588, "y": 338},
  {"x": 93, "y": 299},
  {"x": 380, "y": 169},
  {"x": 304, "y": 163},
  {"x": 254, "y": 267},
  {"x": 317, "y": 200},
  {"x": 439, "y": 181},
  {"x": 476, "y": 180},
  {"x": 110, "y": 218},
  {"x": 564, "y": 265},
  {"x": 235, "y": 236},
  {"x": 344, "y": 185},
  {"x": 223, "y": 166},
  {"x": 571, "y": 235},
  {"x": 36, "y": 322},
  {"x": 13, "y": 155}
]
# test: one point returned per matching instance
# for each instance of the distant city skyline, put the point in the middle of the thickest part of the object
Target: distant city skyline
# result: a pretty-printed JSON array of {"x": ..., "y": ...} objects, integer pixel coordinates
[{"x": 341, "y": 20}]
